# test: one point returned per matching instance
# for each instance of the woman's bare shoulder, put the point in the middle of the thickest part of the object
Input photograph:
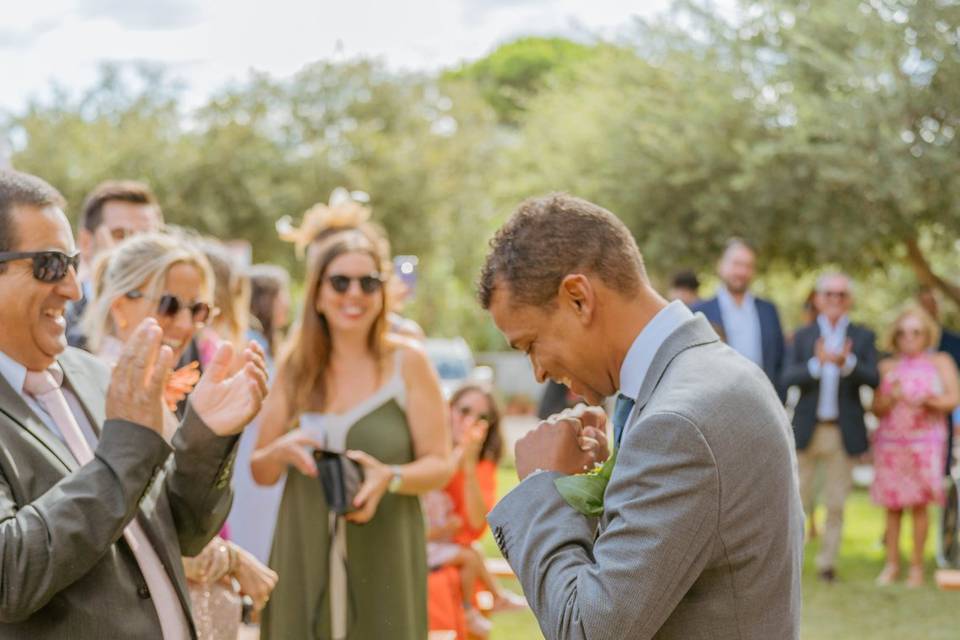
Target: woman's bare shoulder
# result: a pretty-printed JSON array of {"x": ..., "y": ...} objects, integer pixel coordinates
[{"x": 413, "y": 359}]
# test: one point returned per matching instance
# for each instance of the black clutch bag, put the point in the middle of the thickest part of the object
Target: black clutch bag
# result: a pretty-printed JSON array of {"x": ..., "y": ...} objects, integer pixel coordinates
[{"x": 340, "y": 477}]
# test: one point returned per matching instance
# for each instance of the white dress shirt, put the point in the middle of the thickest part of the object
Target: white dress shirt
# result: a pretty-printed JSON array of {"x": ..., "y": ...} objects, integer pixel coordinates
[
  {"x": 829, "y": 374},
  {"x": 15, "y": 374},
  {"x": 647, "y": 343},
  {"x": 741, "y": 323}
]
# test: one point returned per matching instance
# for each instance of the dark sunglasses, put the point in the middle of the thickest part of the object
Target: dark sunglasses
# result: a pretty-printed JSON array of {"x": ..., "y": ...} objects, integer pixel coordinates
[
  {"x": 170, "y": 305},
  {"x": 836, "y": 294},
  {"x": 910, "y": 332},
  {"x": 48, "y": 266},
  {"x": 465, "y": 412},
  {"x": 369, "y": 284}
]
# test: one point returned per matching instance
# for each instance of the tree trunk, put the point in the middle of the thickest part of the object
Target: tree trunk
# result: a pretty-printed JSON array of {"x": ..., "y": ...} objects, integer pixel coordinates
[{"x": 926, "y": 276}]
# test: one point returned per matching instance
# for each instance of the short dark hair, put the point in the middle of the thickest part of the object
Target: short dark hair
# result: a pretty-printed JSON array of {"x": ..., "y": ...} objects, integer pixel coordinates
[
  {"x": 550, "y": 237},
  {"x": 685, "y": 280},
  {"x": 91, "y": 215},
  {"x": 19, "y": 189}
]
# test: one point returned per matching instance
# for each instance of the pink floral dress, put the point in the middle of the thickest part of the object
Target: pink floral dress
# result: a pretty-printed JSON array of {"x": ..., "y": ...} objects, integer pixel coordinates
[{"x": 910, "y": 444}]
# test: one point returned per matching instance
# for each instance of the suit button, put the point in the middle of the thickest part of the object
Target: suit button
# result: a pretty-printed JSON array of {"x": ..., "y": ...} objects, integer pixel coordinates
[{"x": 143, "y": 592}]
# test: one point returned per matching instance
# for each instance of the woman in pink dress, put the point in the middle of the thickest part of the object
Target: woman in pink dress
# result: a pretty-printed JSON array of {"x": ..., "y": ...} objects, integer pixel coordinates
[{"x": 918, "y": 388}]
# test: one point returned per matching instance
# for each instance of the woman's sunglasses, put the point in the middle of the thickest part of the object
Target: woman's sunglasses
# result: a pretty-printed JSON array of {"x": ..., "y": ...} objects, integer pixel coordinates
[
  {"x": 48, "y": 266},
  {"x": 465, "y": 412},
  {"x": 170, "y": 305},
  {"x": 369, "y": 284},
  {"x": 913, "y": 333}
]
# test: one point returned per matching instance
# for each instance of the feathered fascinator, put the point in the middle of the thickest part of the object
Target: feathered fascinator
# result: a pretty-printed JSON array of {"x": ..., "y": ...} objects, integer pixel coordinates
[{"x": 345, "y": 210}]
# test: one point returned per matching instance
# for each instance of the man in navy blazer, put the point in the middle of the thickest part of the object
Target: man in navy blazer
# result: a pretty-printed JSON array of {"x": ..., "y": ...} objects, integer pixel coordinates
[
  {"x": 751, "y": 326},
  {"x": 831, "y": 359}
]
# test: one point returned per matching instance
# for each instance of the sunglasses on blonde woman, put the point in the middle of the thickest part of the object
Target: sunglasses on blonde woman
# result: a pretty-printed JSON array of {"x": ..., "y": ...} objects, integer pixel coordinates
[{"x": 169, "y": 306}]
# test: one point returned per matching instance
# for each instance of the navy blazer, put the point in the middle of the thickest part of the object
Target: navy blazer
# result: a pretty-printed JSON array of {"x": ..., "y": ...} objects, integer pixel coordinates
[
  {"x": 797, "y": 372},
  {"x": 771, "y": 337}
]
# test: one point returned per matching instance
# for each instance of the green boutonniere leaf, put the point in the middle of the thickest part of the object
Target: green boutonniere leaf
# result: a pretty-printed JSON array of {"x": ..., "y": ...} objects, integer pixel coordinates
[{"x": 584, "y": 491}]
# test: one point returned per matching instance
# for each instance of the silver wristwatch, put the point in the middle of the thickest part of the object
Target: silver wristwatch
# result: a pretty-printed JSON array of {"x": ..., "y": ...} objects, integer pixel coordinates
[{"x": 396, "y": 480}]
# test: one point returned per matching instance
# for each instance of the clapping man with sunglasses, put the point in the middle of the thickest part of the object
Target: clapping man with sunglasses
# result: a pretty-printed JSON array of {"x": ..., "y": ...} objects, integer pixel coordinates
[
  {"x": 112, "y": 212},
  {"x": 95, "y": 512},
  {"x": 830, "y": 360}
]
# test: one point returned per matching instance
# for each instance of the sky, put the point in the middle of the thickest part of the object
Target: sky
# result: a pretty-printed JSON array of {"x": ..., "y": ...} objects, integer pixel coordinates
[{"x": 208, "y": 43}]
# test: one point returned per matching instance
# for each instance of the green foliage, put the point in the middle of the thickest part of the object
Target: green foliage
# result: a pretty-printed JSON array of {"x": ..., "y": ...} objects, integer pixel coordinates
[
  {"x": 516, "y": 71},
  {"x": 822, "y": 132}
]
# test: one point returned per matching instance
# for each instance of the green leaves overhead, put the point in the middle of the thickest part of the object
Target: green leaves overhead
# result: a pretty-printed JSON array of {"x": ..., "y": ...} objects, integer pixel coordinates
[{"x": 824, "y": 132}]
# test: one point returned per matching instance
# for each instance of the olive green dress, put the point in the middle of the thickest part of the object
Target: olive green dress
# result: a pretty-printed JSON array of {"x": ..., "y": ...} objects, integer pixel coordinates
[{"x": 380, "y": 589}]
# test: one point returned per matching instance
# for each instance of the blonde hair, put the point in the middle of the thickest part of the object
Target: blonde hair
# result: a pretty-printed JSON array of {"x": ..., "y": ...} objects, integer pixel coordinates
[
  {"x": 931, "y": 326},
  {"x": 321, "y": 221},
  {"x": 139, "y": 263}
]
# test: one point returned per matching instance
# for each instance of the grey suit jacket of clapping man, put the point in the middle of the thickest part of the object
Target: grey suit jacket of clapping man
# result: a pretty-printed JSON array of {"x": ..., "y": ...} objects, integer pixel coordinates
[
  {"x": 67, "y": 572},
  {"x": 702, "y": 530}
]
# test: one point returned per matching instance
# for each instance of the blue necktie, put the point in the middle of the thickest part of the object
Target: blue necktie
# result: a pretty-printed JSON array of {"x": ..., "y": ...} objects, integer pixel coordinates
[{"x": 621, "y": 412}]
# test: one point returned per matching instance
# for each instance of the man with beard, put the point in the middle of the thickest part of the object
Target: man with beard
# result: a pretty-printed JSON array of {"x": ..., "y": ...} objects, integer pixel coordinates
[{"x": 750, "y": 325}]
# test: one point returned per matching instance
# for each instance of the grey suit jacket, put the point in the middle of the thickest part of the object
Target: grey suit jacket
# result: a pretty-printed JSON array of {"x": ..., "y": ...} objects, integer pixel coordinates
[
  {"x": 65, "y": 570},
  {"x": 702, "y": 531}
]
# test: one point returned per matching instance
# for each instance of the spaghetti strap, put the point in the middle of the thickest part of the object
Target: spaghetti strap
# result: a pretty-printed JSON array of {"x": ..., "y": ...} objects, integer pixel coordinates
[{"x": 398, "y": 388}]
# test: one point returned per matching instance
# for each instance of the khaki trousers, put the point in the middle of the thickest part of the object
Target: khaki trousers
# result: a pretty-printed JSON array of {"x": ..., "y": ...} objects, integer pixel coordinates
[{"x": 826, "y": 449}]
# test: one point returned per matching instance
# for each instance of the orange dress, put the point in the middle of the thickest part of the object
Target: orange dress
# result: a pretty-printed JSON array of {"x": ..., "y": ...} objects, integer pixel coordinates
[
  {"x": 444, "y": 599},
  {"x": 487, "y": 479}
]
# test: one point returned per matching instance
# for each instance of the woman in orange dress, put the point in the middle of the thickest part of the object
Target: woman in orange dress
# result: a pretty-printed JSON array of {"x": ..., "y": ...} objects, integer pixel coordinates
[{"x": 457, "y": 514}]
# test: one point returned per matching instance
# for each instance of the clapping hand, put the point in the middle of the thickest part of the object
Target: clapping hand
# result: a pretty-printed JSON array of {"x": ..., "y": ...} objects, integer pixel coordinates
[
  {"x": 821, "y": 352},
  {"x": 840, "y": 358},
  {"x": 136, "y": 385},
  {"x": 227, "y": 403}
]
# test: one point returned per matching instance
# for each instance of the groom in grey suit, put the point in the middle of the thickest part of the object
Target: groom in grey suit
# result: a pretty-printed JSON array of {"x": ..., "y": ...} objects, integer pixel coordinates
[
  {"x": 91, "y": 541},
  {"x": 701, "y": 534}
]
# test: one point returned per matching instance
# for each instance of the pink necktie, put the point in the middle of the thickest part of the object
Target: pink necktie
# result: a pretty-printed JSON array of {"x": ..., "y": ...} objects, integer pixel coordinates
[{"x": 45, "y": 387}]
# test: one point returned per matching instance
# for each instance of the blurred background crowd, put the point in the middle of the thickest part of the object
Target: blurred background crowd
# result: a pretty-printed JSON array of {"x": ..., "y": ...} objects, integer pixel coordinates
[{"x": 789, "y": 169}]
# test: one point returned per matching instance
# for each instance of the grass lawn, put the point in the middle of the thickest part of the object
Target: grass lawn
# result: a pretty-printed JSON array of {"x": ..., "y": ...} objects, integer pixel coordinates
[{"x": 852, "y": 608}]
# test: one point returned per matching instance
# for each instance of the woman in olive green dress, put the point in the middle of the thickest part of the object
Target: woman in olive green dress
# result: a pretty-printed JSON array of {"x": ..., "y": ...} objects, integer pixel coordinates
[{"x": 346, "y": 385}]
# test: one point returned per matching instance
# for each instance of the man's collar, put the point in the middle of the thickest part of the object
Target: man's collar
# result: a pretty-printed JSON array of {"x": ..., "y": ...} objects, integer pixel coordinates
[
  {"x": 827, "y": 327},
  {"x": 15, "y": 373},
  {"x": 725, "y": 297},
  {"x": 645, "y": 345}
]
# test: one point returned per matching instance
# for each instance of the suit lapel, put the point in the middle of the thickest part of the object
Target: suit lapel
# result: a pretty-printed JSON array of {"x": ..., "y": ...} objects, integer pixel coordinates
[
  {"x": 766, "y": 339},
  {"x": 692, "y": 333},
  {"x": 81, "y": 381},
  {"x": 84, "y": 384},
  {"x": 717, "y": 310},
  {"x": 15, "y": 407}
]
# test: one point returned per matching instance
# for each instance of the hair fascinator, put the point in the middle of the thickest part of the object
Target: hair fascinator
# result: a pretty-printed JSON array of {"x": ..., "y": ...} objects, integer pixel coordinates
[{"x": 345, "y": 210}]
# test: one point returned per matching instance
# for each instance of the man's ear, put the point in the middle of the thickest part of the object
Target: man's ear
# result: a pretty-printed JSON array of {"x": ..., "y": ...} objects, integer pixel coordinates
[{"x": 578, "y": 294}]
